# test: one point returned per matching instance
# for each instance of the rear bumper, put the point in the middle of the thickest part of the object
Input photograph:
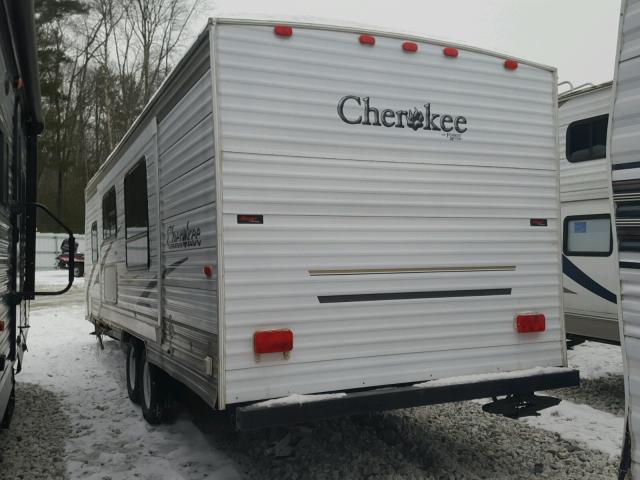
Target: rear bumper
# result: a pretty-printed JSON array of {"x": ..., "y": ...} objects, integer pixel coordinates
[{"x": 256, "y": 415}]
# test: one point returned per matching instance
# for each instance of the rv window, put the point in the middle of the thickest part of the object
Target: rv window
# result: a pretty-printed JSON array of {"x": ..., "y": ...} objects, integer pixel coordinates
[
  {"x": 588, "y": 235},
  {"x": 587, "y": 139},
  {"x": 109, "y": 215},
  {"x": 94, "y": 242},
  {"x": 136, "y": 216}
]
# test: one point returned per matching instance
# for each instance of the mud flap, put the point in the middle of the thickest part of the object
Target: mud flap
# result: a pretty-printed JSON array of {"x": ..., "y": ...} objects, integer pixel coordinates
[{"x": 517, "y": 406}]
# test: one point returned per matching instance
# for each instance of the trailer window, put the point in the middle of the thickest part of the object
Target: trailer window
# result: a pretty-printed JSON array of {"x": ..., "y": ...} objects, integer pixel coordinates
[
  {"x": 588, "y": 235},
  {"x": 109, "y": 215},
  {"x": 587, "y": 139},
  {"x": 94, "y": 242},
  {"x": 136, "y": 216}
]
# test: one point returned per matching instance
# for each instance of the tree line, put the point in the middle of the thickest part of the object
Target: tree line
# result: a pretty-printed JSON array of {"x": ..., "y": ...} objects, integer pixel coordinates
[{"x": 100, "y": 62}]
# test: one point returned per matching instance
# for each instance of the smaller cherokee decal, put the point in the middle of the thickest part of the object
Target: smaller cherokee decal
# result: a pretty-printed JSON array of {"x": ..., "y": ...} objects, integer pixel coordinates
[{"x": 183, "y": 237}]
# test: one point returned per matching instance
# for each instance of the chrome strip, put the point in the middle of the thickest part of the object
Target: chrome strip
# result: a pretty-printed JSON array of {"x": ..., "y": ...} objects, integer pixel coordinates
[{"x": 391, "y": 271}]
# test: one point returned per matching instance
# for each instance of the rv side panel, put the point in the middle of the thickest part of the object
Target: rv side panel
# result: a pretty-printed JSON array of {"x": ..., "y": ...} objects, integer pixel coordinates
[
  {"x": 589, "y": 179},
  {"x": 590, "y": 278},
  {"x": 625, "y": 175},
  {"x": 169, "y": 301},
  {"x": 396, "y": 253},
  {"x": 189, "y": 236}
]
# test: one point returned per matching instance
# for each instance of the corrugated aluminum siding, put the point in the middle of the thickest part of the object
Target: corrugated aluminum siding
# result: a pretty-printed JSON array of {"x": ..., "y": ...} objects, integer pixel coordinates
[
  {"x": 7, "y": 128},
  {"x": 188, "y": 194},
  {"x": 589, "y": 179},
  {"x": 354, "y": 197},
  {"x": 171, "y": 305},
  {"x": 625, "y": 153}
]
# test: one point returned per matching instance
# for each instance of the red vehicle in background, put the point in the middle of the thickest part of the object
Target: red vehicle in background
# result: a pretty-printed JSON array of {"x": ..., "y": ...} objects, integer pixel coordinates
[{"x": 62, "y": 260}]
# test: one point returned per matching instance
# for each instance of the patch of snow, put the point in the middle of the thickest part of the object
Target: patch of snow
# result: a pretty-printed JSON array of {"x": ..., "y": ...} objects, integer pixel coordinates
[
  {"x": 299, "y": 399},
  {"x": 484, "y": 377},
  {"x": 596, "y": 360},
  {"x": 599, "y": 430},
  {"x": 55, "y": 278},
  {"x": 110, "y": 438}
]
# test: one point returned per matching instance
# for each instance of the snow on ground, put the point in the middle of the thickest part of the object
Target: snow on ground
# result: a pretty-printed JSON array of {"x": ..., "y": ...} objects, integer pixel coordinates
[
  {"x": 600, "y": 368},
  {"x": 48, "y": 279},
  {"x": 600, "y": 430},
  {"x": 596, "y": 360},
  {"x": 109, "y": 439}
]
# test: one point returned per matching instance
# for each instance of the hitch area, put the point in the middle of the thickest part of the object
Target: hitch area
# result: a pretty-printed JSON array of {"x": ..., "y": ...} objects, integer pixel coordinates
[{"x": 517, "y": 406}]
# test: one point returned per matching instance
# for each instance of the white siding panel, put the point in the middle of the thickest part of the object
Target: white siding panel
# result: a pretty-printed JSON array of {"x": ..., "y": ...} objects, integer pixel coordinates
[
  {"x": 279, "y": 96},
  {"x": 625, "y": 148},
  {"x": 188, "y": 112},
  {"x": 590, "y": 179},
  {"x": 189, "y": 234},
  {"x": 354, "y": 197}
]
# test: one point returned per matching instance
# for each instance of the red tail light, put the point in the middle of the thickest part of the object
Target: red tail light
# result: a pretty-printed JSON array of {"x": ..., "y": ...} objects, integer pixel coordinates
[
  {"x": 367, "y": 40},
  {"x": 450, "y": 52},
  {"x": 273, "y": 341},
  {"x": 410, "y": 47},
  {"x": 530, "y": 322},
  {"x": 208, "y": 271},
  {"x": 283, "y": 30},
  {"x": 510, "y": 64}
]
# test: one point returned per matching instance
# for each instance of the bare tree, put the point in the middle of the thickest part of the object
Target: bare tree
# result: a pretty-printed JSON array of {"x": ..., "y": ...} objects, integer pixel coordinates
[{"x": 100, "y": 61}]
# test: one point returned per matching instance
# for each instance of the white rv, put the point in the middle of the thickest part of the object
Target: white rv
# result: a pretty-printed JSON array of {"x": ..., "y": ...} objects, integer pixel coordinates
[
  {"x": 304, "y": 209},
  {"x": 590, "y": 273},
  {"x": 624, "y": 140}
]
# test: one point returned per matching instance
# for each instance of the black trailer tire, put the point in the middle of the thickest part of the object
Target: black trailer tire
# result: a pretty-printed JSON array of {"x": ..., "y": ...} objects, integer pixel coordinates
[
  {"x": 133, "y": 367},
  {"x": 154, "y": 396}
]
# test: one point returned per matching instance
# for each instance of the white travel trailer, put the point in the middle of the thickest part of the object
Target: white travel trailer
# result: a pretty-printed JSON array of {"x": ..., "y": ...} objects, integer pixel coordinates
[
  {"x": 625, "y": 187},
  {"x": 304, "y": 209},
  {"x": 590, "y": 273}
]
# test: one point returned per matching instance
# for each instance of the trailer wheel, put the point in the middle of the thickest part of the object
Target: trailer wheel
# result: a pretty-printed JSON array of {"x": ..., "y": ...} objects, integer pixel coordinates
[
  {"x": 78, "y": 271},
  {"x": 155, "y": 399},
  {"x": 134, "y": 370}
]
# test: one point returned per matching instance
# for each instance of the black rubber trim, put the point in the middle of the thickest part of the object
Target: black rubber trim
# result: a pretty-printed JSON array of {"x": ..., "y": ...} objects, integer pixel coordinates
[
  {"x": 376, "y": 297},
  {"x": 626, "y": 186},
  {"x": 251, "y": 417},
  {"x": 625, "y": 166}
]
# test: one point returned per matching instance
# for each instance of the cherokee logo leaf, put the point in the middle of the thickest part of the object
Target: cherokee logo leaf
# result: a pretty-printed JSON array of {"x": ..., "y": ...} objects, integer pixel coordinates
[
  {"x": 415, "y": 119},
  {"x": 361, "y": 112}
]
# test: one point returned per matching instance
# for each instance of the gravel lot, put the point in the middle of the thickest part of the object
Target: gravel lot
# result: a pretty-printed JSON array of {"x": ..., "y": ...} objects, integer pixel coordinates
[
  {"x": 34, "y": 446},
  {"x": 455, "y": 441},
  {"x": 74, "y": 420},
  {"x": 606, "y": 394}
]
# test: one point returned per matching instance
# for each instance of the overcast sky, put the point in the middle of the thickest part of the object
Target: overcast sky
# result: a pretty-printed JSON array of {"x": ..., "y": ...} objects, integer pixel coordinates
[{"x": 577, "y": 36}]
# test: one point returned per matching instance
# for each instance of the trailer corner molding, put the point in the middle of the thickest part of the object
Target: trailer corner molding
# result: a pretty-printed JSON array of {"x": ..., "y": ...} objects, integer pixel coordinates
[{"x": 421, "y": 118}]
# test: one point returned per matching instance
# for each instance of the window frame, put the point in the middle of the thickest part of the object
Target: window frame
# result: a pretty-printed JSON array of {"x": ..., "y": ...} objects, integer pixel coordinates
[
  {"x": 115, "y": 233},
  {"x": 94, "y": 248},
  {"x": 141, "y": 162},
  {"x": 578, "y": 123},
  {"x": 565, "y": 236}
]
